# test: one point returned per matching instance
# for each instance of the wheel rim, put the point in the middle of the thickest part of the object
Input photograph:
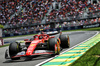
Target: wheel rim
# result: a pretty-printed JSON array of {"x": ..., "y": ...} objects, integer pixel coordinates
[{"x": 58, "y": 45}]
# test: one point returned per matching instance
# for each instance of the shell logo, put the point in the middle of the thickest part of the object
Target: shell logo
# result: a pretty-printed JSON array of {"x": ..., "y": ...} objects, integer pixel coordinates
[{"x": 32, "y": 45}]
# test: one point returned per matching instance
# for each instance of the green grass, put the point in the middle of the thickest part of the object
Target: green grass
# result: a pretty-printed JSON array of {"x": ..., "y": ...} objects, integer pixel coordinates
[
  {"x": 87, "y": 29},
  {"x": 4, "y": 45},
  {"x": 90, "y": 58}
]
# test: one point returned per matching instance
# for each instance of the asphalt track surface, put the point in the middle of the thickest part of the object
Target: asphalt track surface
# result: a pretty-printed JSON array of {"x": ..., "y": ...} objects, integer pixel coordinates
[{"x": 75, "y": 38}]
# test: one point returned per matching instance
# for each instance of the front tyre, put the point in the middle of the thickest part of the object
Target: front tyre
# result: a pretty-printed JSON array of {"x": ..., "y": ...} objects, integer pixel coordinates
[{"x": 14, "y": 48}]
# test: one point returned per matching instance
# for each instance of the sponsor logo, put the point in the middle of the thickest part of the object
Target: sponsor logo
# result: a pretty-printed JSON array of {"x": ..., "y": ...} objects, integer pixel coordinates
[
  {"x": 89, "y": 26},
  {"x": 32, "y": 45}
]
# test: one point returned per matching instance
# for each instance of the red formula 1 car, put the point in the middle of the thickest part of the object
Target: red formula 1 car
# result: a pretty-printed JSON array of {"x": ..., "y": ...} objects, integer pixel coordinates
[{"x": 38, "y": 45}]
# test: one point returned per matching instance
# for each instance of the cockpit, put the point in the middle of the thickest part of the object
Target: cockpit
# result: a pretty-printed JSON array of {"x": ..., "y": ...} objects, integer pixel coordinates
[{"x": 42, "y": 36}]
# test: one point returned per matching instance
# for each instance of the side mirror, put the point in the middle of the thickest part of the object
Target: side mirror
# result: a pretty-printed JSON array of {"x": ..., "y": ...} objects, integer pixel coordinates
[{"x": 25, "y": 39}]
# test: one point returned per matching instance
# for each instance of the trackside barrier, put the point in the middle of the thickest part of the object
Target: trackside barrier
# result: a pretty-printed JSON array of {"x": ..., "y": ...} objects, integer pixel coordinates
[
  {"x": 72, "y": 55},
  {"x": 55, "y": 29}
]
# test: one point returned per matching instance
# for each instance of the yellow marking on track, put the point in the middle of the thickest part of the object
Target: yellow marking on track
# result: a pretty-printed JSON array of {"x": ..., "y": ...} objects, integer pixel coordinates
[
  {"x": 64, "y": 60},
  {"x": 67, "y": 64},
  {"x": 83, "y": 45},
  {"x": 69, "y": 54},
  {"x": 76, "y": 51},
  {"x": 94, "y": 43},
  {"x": 58, "y": 60},
  {"x": 80, "y": 47},
  {"x": 82, "y": 53}
]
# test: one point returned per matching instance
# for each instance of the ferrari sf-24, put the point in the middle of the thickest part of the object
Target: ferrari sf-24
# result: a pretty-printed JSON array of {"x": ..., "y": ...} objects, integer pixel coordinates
[{"x": 38, "y": 45}]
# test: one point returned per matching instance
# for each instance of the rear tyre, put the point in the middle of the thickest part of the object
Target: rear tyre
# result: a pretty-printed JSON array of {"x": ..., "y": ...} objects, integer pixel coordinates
[
  {"x": 14, "y": 48},
  {"x": 65, "y": 42},
  {"x": 53, "y": 45}
]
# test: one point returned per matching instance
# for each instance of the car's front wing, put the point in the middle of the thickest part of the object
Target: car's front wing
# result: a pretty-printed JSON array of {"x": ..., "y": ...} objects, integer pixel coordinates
[{"x": 23, "y": 54}]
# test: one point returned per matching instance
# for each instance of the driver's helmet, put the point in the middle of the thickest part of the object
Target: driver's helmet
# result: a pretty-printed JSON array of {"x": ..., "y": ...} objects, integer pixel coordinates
[
  {"x": 40, "y": 37},
  {"x": 42, "y": 32}
]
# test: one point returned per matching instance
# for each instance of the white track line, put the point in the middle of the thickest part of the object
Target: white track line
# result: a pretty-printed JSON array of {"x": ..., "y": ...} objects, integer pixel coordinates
[{"x": 66, "y": 50}]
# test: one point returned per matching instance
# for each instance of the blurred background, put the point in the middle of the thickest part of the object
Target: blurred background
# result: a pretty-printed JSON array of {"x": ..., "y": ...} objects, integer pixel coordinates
[{"x": 21, "y": 17}]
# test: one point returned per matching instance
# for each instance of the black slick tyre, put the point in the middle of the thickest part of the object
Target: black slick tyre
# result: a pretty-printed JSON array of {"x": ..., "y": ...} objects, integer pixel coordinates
[
  {"x": 14, "y": 48},
  {"x": 52, "y": 43},
  {"x": 65, "y": 41},
  {"x": 54, "y": 46}
]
